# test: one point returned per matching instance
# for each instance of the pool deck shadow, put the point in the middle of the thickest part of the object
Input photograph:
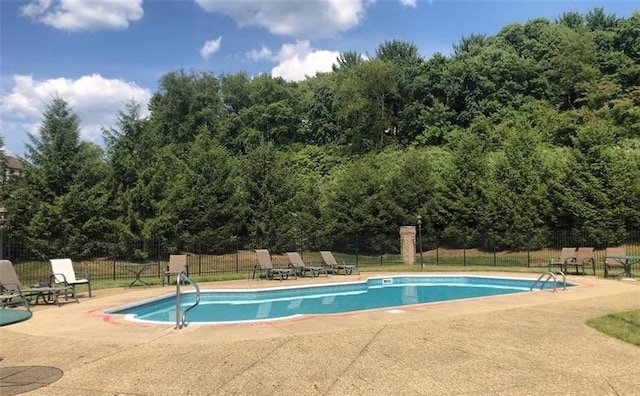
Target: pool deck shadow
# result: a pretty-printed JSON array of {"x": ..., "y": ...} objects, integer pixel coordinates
[{"x": 522, "y": 344}]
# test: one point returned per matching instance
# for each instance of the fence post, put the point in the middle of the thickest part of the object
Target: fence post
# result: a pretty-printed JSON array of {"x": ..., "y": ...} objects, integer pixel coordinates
[
  {"x": 160, "y": 271},
  {"x": 464, "y": 255},
  {"x": 493, "y": 247},
  {"x": 356, "y": 250},
  {"x": 234, "y": 239},
  {"x": 199, "y": 257},
  {"x": 113, "y": 258}
]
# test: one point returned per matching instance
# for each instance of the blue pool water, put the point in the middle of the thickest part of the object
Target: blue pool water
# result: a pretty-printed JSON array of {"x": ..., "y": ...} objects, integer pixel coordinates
[{"x": 232, "y": 306}]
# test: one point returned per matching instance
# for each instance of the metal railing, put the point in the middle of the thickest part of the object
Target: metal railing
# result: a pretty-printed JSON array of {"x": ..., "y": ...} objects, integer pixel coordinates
[
  {"x": 546, "y": 277},
  {"x": 181, "y": 316}
]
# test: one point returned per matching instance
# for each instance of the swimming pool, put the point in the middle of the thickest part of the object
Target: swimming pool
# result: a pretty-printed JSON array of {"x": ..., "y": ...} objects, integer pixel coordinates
[{"x": 238, "y": 306}]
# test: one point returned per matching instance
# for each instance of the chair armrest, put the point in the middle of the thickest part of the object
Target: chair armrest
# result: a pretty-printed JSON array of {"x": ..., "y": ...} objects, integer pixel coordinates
[
  {"x": 3, "y": 287},
  {"x": 55, "y": 277},
  {"x": 52, "y": 279}
]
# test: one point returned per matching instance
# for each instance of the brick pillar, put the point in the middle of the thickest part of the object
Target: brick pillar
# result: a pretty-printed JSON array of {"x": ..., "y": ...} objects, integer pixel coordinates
[{"x": 408, "y": 244}]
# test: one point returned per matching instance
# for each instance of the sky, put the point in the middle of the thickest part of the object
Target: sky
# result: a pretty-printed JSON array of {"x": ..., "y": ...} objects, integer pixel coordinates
[{"x": 98, "y": 55}]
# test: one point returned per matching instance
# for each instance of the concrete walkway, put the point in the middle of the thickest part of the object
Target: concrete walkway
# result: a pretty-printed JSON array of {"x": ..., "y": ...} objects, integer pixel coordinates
[{"x": 524, "y": 344}]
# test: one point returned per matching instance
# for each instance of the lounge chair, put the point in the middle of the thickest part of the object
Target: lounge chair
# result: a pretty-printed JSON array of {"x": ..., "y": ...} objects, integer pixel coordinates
[
  {"x": 330, "y": 262},
  {"x": 610, "y": 262},
  {"x": 298, "y": 265},
  {"x": 567, "y": 257},
  {"x": 10, "y": 292},
  {"x": 64, "y": 274},
  {"x": 9, "y": 299},
  {"x": 9, "y": 283},
  {"x": 177, "y": 264},
  {"x": 584, "y": 256},
  {"x": 265, "y": 265}
]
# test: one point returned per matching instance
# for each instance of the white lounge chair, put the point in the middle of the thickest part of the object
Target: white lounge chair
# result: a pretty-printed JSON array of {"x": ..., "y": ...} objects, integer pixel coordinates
[{"x": 63, "y": 273}]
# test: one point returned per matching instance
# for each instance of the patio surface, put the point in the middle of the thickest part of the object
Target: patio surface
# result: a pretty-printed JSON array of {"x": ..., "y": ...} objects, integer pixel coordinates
[{"x": 523, "y": 344}]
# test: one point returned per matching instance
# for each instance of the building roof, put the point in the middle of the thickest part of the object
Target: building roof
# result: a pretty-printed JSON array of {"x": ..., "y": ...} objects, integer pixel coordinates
[{"x": 13, "y": 162}]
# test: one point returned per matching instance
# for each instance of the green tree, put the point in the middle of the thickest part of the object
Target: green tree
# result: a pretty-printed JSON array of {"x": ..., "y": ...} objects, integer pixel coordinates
[
  {"x": 573, "y": 61},
  {"x": 65, "y": 182},
  {"x": 353, "y": 197},
  {"x": 184, "y": 103},
  {"x": 346, "y": 60},
  {"x": 203, "y": 203},
  {"x": 268, "y": 189},
  {"x": 130, "y": 147},
  {"x": 516, "y": 190},
  {"x": 270, "y": 112},
  {"x": 405, "y": 106},
  {"x": 465, "y": 194},
  {"x": 318, "y": 105},
  {"x": 627, "y": 36},
  {"x": 585, "y": 199},
  {"x": 415, "y": 184},
  {"x": 363, "y": 100}
]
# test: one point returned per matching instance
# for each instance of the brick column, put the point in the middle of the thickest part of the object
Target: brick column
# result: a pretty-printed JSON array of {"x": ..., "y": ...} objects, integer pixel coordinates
[{"x": 408, "y": 244}]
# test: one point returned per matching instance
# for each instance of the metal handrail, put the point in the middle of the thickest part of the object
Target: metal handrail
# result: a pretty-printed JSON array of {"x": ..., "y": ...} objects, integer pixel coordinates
[
  {"x": 181, "y": 319},
  {"x": 550, "y": 275}
]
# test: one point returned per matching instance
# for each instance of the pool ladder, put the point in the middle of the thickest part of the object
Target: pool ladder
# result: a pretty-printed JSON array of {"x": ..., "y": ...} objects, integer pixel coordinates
[
  {"x": 546, "y": 277},
  {"x": 181, "y": 317}
]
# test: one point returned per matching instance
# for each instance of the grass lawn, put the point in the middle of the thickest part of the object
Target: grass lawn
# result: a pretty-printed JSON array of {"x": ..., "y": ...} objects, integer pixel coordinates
[{"x": 624, "y": 326}]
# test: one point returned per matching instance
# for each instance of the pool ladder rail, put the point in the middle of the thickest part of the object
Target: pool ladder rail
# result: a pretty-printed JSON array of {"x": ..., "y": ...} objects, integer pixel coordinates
[
  {"x": 181, "y": 317},
  {"x": 546, "y": 277}
]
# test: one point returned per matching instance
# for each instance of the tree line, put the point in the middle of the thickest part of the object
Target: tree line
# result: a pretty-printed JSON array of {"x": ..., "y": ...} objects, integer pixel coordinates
[{"x": 531, "y": 130}]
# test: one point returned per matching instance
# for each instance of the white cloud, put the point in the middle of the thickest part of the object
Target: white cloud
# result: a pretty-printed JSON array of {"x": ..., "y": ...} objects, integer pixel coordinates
[
  {"x": 297, "y": 18},
  {"x": 409, "y": 3},
  {"x": 210, "y": 47},
  {"x": 263, "y": 53},
  {"x": 299, "y": 60},
  {"x": 94, "y": 98},
  {"x": 75, "y": 15}
]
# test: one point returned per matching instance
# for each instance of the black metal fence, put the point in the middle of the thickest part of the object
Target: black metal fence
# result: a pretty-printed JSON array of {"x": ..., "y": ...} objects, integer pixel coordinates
[{"x": 105, "y": 260}]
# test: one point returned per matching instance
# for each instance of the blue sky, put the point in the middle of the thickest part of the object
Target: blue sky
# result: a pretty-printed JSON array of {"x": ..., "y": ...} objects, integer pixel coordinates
[{"x": 98, "y": 54}]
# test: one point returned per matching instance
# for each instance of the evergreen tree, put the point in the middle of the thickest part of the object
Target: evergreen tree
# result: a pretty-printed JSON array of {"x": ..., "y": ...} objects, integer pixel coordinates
[{"x": 64, "y": 183}]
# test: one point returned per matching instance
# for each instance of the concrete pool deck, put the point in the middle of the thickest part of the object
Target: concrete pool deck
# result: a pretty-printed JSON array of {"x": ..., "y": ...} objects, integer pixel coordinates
[{"x": 523, "y": 344}]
